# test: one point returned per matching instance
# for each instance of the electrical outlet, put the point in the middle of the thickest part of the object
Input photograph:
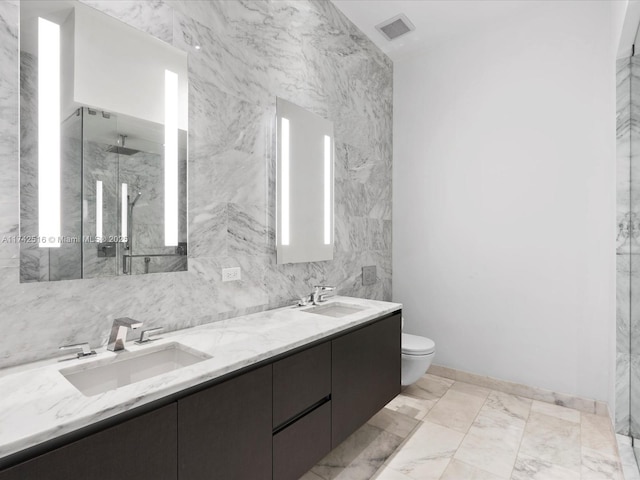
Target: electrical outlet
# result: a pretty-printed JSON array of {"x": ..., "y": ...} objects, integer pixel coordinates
[
  {"x": 231, "y": 274},
  {"x": 369, "y": 276}
]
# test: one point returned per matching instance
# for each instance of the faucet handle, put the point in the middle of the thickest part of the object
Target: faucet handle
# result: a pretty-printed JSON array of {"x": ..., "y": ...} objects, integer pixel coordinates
[
  {"x": 324, "y": 288},
  {"x": 305, "y": 300},
  {"x": 145, "y": 334},
  {"x": 85, "y": 349}
]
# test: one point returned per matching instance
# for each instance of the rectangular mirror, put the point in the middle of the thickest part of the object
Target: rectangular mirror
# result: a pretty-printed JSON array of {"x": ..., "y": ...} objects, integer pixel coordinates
[
  {"x": 304, "y": 201},
  {"x": 103, "y": 154}
]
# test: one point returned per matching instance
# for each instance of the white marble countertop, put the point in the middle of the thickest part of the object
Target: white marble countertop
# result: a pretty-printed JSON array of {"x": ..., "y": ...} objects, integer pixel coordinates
[{"x": 38, "y": 404}]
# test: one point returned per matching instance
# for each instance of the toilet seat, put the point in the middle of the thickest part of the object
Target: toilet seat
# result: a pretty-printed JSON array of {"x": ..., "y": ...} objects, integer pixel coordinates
[{"x": 416, "y": 345}]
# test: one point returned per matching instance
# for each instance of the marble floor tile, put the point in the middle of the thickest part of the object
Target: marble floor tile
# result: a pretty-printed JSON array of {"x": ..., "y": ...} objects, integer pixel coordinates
[
  {"x": 596, "y": 433},
  {"x": 557, "y": 411},
  {"x": 553, "y": 440},
  {"x": 636, "y": 450},
  {"x": 600, "y": 466},
  {"x": 394, "y": 422},
  {"x": 458, "y": 470},
  {"x": 471, "y": 389},
  {"x": 411, "y": 406},
  {"x": 456, "y": 410},
  {"x": 512, "y": 405},
  {"x": 390, "y": 474},
  {"x": 627, "y": 458},
  {"x": 427, "y": 453},
  {"x": 441, "y": 429},
  {"x": 532, "y": 468},
  {"x": 359, "y": 456},
  {"x": 492, "y": 442},
  {"x": 429, "y": 387}
]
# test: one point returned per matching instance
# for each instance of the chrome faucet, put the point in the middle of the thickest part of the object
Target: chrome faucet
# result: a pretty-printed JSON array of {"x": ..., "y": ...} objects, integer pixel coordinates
[
  {"x": 118, "y": 335},
  {"x": 320, "y": 293}
]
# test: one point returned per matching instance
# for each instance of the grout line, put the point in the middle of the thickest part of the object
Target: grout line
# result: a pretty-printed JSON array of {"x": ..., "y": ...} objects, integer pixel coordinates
[
  {"x": 467, "y": 432},
  {"x": 439, "y": 398},
  {"x": 526, "y": 422},
  {"x": 468, "y": 428},
  {"x": 398, "y": 449},
  {"x": 581, "y": 446},
  {"x": 434, "y": 406},
  {"x": 477, "y": 414},
  {"x": 413, "y": 431}
]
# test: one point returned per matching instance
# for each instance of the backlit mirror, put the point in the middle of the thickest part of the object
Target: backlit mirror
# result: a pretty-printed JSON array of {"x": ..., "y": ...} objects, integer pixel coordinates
[
  {"x": 304, "y": 185},
  {"x": 103, "y": 154}
]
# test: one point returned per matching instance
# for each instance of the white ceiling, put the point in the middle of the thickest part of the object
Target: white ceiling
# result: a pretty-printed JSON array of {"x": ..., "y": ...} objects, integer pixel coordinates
[{"x": 436, "y": 21}]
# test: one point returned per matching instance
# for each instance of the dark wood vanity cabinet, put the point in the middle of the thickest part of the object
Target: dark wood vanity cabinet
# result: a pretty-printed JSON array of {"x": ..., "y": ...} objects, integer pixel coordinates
[
  {"x": 343, "y": 383},
  {"x": 274, "y": 421},
  {"x": 143, "y": 448},
  {"x": 301, "y": 381},
  {"x": 301, "y": 411},
  {"x": 298, "y": 447},
  {"x": 224, "y": 432},
  {"x": 365, "y": 375}
]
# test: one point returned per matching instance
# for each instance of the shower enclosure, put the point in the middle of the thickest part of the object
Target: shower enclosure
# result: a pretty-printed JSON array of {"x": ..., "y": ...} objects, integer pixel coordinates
[
  {"x": 627, "y": 421},
  {"x": 112, "y": 201},
  {"x": 123, "y": 157}
]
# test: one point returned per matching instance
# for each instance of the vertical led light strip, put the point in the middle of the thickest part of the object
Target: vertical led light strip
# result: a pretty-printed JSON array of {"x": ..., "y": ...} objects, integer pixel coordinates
[
  {"x": 170, "y": 158},
  {"x": 125, "y": 211},
  {"x": 285, "y": 181},
  {"x": 99, "y": 210},
  {"x": 327, "y": 190},
  {"x": 48, "y": 133}
]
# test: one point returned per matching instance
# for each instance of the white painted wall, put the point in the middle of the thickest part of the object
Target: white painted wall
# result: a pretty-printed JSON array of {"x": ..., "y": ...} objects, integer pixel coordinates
[{"x": 504, "y": 190}]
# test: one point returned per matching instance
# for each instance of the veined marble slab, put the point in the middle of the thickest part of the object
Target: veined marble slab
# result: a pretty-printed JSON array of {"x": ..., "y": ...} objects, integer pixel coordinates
[
  {"x": 305, "y": 51},
  {"x": 39, "y": 404}
]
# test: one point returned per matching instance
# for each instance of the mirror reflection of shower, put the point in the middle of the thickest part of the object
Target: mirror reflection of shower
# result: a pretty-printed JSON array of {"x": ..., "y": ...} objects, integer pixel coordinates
[
  {"x": 127, "y": 155},
  {"x": 132, "y": 199},
  {"x": 120, "y": 148}
]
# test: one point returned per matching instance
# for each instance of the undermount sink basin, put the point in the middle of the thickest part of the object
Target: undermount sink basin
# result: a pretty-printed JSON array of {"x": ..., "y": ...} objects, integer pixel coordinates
[
  {"x": 335, "y": 309},
  {"x": 131, "y": 367}
]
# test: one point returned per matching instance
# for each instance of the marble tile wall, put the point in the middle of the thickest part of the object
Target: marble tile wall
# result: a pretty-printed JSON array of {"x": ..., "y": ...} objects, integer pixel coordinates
[
  {"x": 628, "y": 249},
  {"x": 251, "y": 51},
  {"x": 623, "y": 257}
]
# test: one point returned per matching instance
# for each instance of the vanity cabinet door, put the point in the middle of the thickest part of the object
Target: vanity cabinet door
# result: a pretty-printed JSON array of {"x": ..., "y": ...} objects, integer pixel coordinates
[
  {"x": 365, "y": 375},
  {"x": 225, "y": 432},
  {"x": 300, "y": 381},
  {"x": 143, "y": 448}
]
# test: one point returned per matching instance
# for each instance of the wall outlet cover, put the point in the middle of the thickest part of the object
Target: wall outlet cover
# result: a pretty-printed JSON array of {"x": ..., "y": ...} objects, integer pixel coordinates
[
  {"x": 369, "y": 276},
  {"x": 231, "y": 274}
]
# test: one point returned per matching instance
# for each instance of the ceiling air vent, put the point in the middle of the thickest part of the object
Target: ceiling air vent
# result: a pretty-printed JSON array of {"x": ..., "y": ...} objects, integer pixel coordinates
[{"x": 395, "y": 27}]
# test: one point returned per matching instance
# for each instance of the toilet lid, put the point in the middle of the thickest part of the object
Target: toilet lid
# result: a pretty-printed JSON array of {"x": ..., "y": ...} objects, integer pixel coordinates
[{"x": 415, "y": 345}]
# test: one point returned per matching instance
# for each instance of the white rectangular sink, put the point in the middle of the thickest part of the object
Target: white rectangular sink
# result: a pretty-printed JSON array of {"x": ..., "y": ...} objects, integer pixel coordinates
[
  {"x": 130, "y": 367},
  {"x": 334, "y": 309}
]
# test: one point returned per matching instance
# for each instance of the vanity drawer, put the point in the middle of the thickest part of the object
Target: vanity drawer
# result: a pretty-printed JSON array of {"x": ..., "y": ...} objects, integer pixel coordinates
[
  {"x": 300, "y": 381},
  {"x": 298, "y": 447}
]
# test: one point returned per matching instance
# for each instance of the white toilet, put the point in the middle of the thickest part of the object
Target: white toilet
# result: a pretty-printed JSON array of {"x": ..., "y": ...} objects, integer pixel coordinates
[{"x": 417, "y": 354}]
